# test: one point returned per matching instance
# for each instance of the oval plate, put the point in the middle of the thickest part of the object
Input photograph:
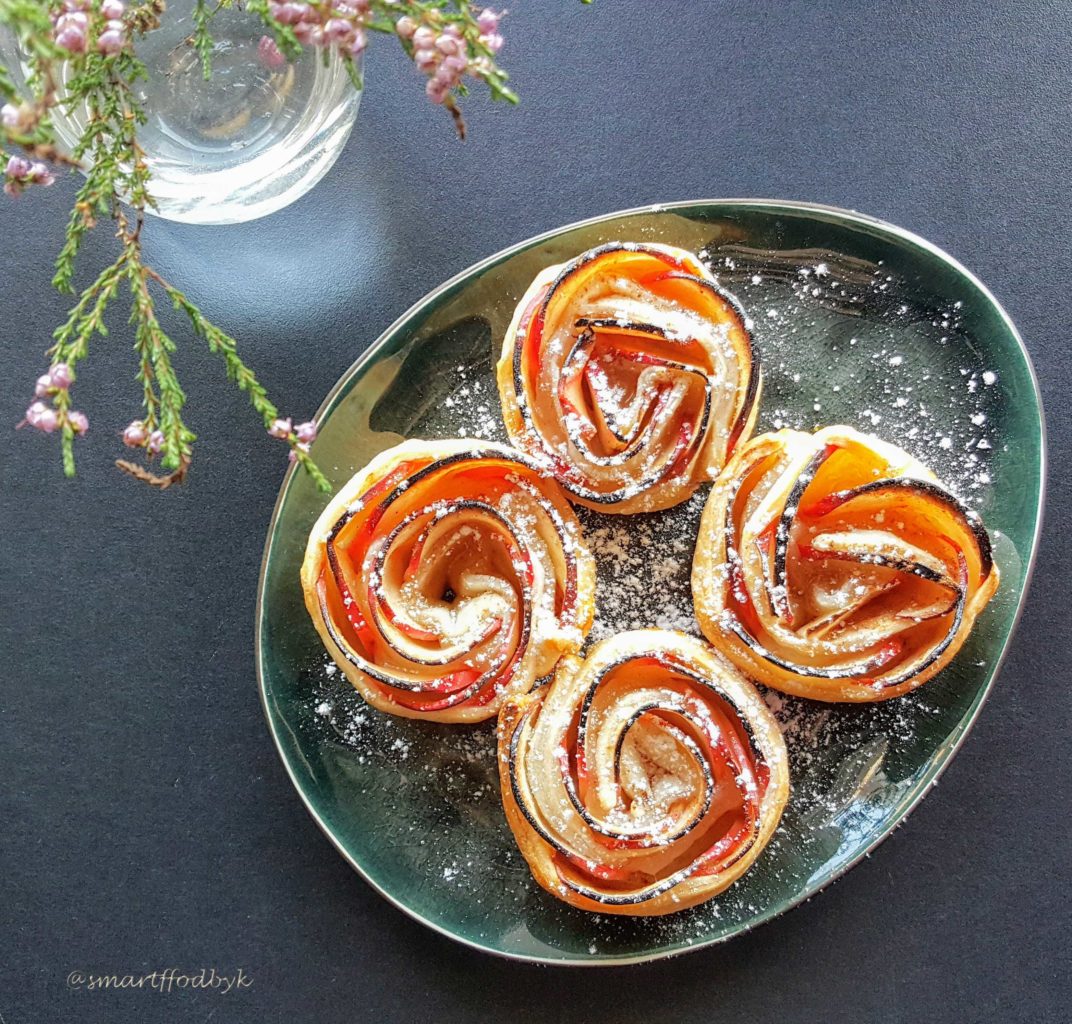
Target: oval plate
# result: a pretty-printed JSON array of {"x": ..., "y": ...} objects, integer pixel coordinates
[{"x": 856, "y": 321}]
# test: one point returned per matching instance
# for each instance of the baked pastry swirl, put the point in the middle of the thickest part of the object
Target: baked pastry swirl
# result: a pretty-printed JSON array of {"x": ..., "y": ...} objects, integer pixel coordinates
[
  {"x": 445, "y": 575},
  {"x": 631, "y": 373},
  {"x": 645, "y": 779},
  {"x": 835, "y": 566}
]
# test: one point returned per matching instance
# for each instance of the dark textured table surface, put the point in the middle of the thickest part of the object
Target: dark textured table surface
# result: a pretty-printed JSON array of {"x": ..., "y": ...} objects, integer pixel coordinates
[{"x": 145, "y": 821}]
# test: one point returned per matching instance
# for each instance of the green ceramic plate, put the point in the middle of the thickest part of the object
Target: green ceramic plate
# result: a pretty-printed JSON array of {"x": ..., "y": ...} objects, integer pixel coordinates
[{"x": 857, "y": 322}]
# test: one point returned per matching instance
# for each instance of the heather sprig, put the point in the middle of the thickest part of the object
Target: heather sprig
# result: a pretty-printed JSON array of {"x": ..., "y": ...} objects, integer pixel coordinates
[{"x": 89, "y": 46}]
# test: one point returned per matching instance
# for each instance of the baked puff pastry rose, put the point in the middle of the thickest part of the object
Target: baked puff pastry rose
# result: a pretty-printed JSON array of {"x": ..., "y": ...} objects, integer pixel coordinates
[
  {"x": 631, "y": 373},
  {"x": 833, "y": 565},
  {"x": 645, "y": 779},
  {"x": 445, "y": 575}
]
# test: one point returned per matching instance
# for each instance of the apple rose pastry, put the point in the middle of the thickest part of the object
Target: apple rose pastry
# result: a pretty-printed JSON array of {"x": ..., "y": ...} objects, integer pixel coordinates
[
  {"x": 445, "y": 575},
  {"x": 631, "y": 373},
  {"x": 645, "y": 779},
  {"x": 833, "y": 565}
]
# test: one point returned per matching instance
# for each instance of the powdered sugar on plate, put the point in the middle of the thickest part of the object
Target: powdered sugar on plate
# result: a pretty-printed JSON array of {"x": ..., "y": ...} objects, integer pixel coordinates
[{"x": 841, "y": 340}]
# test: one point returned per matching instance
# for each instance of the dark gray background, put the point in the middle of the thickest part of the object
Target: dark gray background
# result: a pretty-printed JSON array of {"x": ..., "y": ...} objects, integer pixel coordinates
[{"x": 145, "y": 821}]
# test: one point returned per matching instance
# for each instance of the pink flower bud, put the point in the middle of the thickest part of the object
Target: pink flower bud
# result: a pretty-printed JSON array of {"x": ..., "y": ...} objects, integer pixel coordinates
[
  {"x": 292, "y": 456},
  {"x": 447, "y": 45},
  {"x": 456, "y": 63},
  {"x": 113, "y": 9},
  {"x": 111, "y": 42},
  {"x": 309, "y": 34},
  {"x": 424, "y": 38},
  {"x": 44, "y": 382},
  {"x": 79, "y": 422},
  {"x": 488, "y": 21},
  {"x": 452, "y": 29},
  {"x": 156, "y": 442},
  {"x": 41, "y": 175},
  {"x": 18, "y": 167},
  {"x": 306, "y": 12},
  {"x": 77, "y": 21},
  {"x": 75, "y": 5},
  {"x": 437, "y": 90},
  {"x": 291, "y": 13},
  {"x": 42, "y": 417},
  {"x": 61, "y": 376},
  {"x": 269, "y": 54},
  {"x": 426, "y": 60},
  {"x": 135, "y": 436},
  {"x": 493, "y": 42},
  {"x": 406, "y": 26},
  {"x": 10, "y": 116},
  {"x": 306, "y": 432},
  {"x": 280, "y": 428},
  {"x": 357, "y": 47},
  {"x": 337, "y": 29},
  {"x": 72, "y": 40}
]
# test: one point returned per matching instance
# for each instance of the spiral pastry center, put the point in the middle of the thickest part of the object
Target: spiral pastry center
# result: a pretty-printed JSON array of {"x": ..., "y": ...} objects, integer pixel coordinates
[
  {"x": 447, "y": 580},
  {"x": 631, "y": 373},
  {"x": 834, "y": 564},
  {"x": 646, "y": 779}
]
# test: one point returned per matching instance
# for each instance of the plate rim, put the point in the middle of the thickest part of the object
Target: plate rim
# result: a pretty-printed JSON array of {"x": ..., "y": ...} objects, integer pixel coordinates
[{"x": 913, "y": 796}]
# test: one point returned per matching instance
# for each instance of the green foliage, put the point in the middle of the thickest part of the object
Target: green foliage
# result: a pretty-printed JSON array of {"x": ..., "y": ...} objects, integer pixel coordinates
[{"x": 117, "y": 187}]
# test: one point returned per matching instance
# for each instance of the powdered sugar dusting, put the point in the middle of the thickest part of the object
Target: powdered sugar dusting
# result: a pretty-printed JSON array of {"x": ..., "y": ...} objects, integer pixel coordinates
[{"x": 841, "y": 340}]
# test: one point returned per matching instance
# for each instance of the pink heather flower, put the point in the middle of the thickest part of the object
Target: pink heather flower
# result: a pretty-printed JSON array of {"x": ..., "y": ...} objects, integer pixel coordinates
[
  {"x": 75, "y": 5},
  {"x": 292, "y": 456},
  {"x": 312, "y": 35},
  {"x": 61, "y": 376},
  {"x": 41, "y": 175},
  {"x": 291, "y": 13},
  {"x": 337, "y": 29},
  {"x": 306, "y": 432},
  {"x": 11, "y": 116},
  {"x": 437, "y": 90},
  {"x": 18, "y": 167},
  {"x": 156, "y": 442},
  {"x": 71, "y": 39},
  {"x": 134, "y": 436},
  {"x": 281, "y": 428},
  {"x": 77, "y": 21},
  {"x": 424, "y": 38},
  {"x": 452, "y": 29},
  {"x": 269, "y": 54},
  {"x": 488, "y": 21},
  {"x": 457, "y": 63},
  {"x": 493, "y": 42},
  {"x": 113, "y": 9},
  {"x": 79, "y": 422},
  {"x": 405, "y": 27},
  {"x": 44, "y": 382},
  {"x": 360, "y": 42},
  {"x": 426, "y": 60},
  {"x": 111, "y": 42},
  {"x": 42, "y": 417}
]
